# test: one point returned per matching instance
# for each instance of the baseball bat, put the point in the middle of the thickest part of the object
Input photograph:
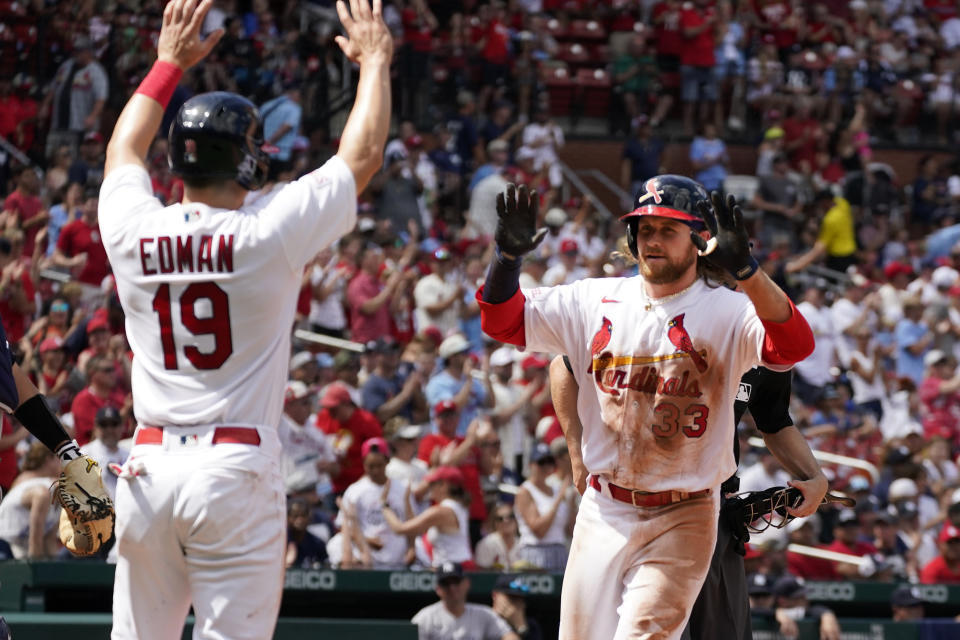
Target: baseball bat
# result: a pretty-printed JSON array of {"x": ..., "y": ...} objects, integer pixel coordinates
[
  {"x": 836, "y": 556},
  {"x": 328, "y": 341}
]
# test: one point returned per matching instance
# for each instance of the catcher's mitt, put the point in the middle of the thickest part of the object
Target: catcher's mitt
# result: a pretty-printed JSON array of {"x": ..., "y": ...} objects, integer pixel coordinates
[{"x": 86, "y": 521}]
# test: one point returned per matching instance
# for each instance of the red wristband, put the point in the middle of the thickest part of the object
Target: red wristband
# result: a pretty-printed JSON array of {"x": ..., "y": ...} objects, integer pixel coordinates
[{"x": 161, "y": 82}]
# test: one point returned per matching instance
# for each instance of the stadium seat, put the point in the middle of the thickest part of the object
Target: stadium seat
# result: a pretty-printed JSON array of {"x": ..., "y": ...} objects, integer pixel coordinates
[
  {"x": 743, "y": 187},
  {"x": 556, "y": 28},
  {"x": 574, "y": 54},
  {"x": 595, "y": 85},
  {"x": 560, "y": 88},
  {"x": 587, "y": 30}
]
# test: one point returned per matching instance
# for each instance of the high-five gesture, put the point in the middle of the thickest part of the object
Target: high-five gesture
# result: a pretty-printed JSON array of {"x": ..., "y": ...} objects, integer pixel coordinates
[
  {"x": 180, "y": 42},
  {"x": 367, "y": 34},
  {"x": 517, "y": 232},
  {"x": 729, "y": 248}
]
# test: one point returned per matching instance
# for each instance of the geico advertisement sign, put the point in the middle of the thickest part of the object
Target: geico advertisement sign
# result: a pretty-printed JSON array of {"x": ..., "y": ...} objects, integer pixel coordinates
[
  {"x": 403, "y": 581},
  {"x": 846, "y": 592},
  {"x": 311, "y": 580}
]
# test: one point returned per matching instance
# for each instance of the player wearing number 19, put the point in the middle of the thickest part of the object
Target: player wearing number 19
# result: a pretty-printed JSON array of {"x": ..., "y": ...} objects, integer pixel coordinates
[
  {"x": 657, "y": 359},
  {"x": 209, "y": 288}
]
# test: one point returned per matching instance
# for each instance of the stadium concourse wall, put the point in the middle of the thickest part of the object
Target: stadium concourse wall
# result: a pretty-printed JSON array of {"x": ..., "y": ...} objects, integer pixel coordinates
[{"x": 43, "y": 594}]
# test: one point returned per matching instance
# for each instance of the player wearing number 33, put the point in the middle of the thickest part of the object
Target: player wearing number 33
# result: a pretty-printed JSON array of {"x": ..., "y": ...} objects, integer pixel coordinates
[
  {"x": 209, "y": 288},
  {"x": 658, "y": 358}
]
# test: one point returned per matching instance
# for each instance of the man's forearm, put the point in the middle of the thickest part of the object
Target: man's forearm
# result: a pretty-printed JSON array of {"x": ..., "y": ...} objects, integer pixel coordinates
[
  {"x": 365, "y": 134},
  {"x": 793, "y": 452}
]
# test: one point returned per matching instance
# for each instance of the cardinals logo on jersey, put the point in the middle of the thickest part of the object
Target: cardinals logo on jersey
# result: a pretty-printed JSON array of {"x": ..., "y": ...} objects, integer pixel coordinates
[
  {"x": 600, "y": 341},
  {"x": 679, "y": 338}
]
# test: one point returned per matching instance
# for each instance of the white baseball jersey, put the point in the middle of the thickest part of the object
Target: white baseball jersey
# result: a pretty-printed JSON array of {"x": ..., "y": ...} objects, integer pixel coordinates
[
  {"x": 303, "y": 447},
  {"x": 363, "y": 497},
  {"x": 656, "y": 386},
  {"x": 210, "y": 294}
]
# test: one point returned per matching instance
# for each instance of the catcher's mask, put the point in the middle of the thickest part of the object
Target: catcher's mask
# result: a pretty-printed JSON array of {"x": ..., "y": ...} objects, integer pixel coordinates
[{"x": 768, "y": 508}]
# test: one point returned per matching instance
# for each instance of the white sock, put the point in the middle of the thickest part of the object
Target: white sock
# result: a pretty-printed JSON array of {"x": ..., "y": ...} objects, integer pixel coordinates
[{"x": 68, "y": 451}]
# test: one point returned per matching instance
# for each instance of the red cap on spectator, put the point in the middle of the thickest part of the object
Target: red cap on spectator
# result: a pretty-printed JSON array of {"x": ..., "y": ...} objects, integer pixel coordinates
[
  {"x": 434, "y": 335},
  {"x": 51, "y": 343},
  {"x": 335, "y": 395},
  {"x": 752, "y": 552},
  {"x": 445, "y": 474},
  {"x": 949, "y": 532},
  {"x": 93, "y": 136},
  {"x": 98, "y": 321},
  {"x": 444, "y": 406},
  {"x": 413, "y": 141},
  {"x": 375, "y": 445},
  {"x": 894, "y": 269},
  {"x": 534, "y": 362},
  {"x": 569, "y": 246}
]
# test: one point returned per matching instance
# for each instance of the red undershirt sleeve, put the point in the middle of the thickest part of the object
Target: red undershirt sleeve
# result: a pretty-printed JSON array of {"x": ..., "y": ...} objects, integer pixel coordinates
[
  {"x": 787, "y": 342},
  {"x": 503, "y": 321}
]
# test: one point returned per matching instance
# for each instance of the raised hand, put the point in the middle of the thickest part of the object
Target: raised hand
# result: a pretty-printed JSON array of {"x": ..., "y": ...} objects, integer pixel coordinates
[
  {"x": 729, "y": 248},
  {"x": 517, "y": 232},
  {"x": 367, "y": 34},
  {"x": 180, "y": 41}
]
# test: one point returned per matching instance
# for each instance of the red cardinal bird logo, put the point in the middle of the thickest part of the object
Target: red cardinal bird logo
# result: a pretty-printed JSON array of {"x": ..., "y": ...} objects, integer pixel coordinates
[
  {"x": 600, "y": 340},
  {"x": 679, "y": 338}
]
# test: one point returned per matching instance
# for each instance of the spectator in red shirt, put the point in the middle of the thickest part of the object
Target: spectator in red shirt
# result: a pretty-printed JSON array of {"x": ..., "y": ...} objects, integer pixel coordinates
[
  {"x": 51, "y": 376},
  {"x": 803, "y": 531},
  {"x": 16, "y": 287},
  {"x": 25, "y": 207},
  {"x": 945, "y": 568},
  {"x": 9, "y": 438},
  {"x": 350, "y": 427},
  {"x": 940, "y": 394},
  {"x": 80, "y": 247},
  {"x": 446, "y": 448},
  {"x": 697, "y": 62},
  {"x": 802, "y": 135},
  {"x": 101, "y": 392},
  {"x": 666, "y": 23},
  {"x": 848, "y": 541},
  {"x": 369, "y": 299},
  {"x": 26, "y": 109}
]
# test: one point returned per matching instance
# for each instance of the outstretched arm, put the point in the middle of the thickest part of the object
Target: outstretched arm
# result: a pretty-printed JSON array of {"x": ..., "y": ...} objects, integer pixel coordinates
[
  {"x": 178, "y": 48},
  {"x": 789, "y": 338},
  {"x": 369, "y": 44},
  {"x": 500, "y": 299}
]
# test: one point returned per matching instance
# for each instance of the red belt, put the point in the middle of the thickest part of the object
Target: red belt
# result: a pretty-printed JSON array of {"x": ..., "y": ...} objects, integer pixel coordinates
[
  {"x": 645, "y": 499},
  {"x": 221, "y": 435}
]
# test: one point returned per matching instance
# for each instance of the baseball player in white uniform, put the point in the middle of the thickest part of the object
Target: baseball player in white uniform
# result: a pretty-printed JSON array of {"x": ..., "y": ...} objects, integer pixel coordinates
[
  {"x": 657, "y": 358},
  {"x": 209, "y": 288}
]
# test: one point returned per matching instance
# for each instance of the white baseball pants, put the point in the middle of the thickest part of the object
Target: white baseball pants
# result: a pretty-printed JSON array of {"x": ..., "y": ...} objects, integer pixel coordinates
[
  {"x": 635, "y": 572},
  {"x": 193, "y": 531}
]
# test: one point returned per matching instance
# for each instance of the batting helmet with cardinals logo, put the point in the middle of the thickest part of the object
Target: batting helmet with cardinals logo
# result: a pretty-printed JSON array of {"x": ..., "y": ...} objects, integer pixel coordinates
[
  {"x": 218, "y": 136},
  {"x": 667, "y": 196}
]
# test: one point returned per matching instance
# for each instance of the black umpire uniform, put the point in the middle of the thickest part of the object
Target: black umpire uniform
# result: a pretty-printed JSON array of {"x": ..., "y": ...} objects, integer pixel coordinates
[{"x": 723, "y": 603}]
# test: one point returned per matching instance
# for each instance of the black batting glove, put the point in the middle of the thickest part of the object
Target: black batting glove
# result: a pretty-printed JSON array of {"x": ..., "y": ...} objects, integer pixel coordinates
[
  {"x": 517, "y": 232},
  {"x": 729, "y": 248}
]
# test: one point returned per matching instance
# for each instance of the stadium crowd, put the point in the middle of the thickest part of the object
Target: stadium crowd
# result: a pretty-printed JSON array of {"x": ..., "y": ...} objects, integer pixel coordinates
[{"x": 421, "y": 442}]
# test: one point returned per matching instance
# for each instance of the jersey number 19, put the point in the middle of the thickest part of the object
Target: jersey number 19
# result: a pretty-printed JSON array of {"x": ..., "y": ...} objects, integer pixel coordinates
[{"x": 216, "y": 325}]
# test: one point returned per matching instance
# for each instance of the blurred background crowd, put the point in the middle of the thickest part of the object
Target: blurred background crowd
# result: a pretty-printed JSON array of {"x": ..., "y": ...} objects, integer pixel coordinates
[{"x": 395, "y": 396}]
